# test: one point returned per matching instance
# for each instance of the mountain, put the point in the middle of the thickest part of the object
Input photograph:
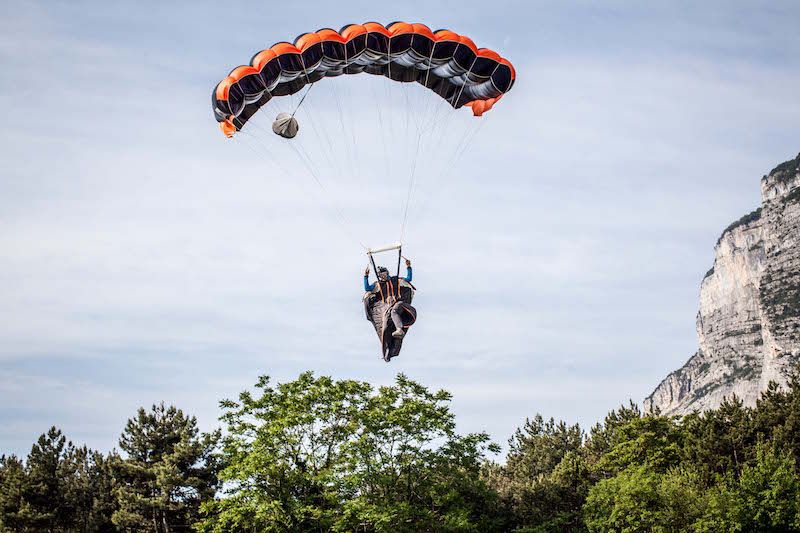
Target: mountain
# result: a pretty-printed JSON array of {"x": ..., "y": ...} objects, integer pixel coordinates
[{"x": 748, "y": 325}]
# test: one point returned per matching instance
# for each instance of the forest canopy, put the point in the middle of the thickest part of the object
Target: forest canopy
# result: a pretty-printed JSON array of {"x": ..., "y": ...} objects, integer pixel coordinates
[{"x": 318, "y": 454}]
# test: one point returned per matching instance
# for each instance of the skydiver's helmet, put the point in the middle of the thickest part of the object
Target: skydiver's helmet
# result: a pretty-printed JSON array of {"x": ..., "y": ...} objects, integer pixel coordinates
[{"x": 383, "y": 273}]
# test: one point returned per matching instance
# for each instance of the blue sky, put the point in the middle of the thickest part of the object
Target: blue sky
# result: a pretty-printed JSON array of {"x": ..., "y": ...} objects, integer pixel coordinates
[{"x": 144, "y": 258}]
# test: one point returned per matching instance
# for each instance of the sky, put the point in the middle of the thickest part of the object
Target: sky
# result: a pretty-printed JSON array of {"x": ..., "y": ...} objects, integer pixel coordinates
[{"x": 146, "y": 258}]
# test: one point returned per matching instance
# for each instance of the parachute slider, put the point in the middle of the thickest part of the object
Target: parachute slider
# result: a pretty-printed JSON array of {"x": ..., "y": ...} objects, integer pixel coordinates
[
  {"x": 285, "y": 125},
  {"x": 393, "y": 246}
]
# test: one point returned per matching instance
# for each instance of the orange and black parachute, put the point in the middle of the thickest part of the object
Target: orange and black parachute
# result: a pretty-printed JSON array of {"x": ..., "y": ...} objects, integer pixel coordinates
[{"x": 449, "y": 64}]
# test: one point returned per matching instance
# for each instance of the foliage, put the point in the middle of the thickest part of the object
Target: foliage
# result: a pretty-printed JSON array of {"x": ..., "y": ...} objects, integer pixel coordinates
[
  {"x": 641, "y": 498},
  {"x": 169, "y": 470},
  {"x": 319, "y": 454},
  {"x": 789, "y": 167},
  {"x": 59, "y": 487},
  {"x": 752, "y": 216}
]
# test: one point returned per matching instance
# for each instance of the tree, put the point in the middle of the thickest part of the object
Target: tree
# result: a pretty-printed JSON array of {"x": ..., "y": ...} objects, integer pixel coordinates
[
  {"x": 642, "y": 499},
  {"x": 48, "y": 506},
  {"x": 170, "y": 468},
  {"x": 603, "y": 437},
  {"x": 777, "y": 415},
  {"x": 537, "y": 447},
  {"x": 87, "y": 484},
  {"x": 61, "y": 488},
  {"x": 651, "y": 440},
  {"x": 722, "y": 440},
  {"x": 542, "y": 484},
  {"x": 769, "y": 491},
  {"x": 316, "y": 454},
  {"x": 13, "y": 484}
]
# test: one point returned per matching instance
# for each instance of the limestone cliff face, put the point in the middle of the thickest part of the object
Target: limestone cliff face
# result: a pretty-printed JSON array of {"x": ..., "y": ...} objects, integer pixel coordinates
[{"x": 748, "y": 325}]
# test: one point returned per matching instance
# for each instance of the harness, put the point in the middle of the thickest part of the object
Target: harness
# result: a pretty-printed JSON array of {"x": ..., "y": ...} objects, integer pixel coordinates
[{"x": 389, "y": 289}]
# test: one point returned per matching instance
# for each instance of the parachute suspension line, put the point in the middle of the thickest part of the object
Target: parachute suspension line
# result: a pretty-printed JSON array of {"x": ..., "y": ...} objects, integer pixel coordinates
[
  {"x": 346, "y": 223},
  {"x": 466, "y": 80},
  {"x": 407, "y": 158},
  {"x": 349, "y": 148},
  {"x": 353, "y": 106},
  {"x": 324, "y": 140},
  {"x": 341, "y": 218},
  {"x": 264, "y": 152},
  {"x": 445, "y": 175},
  {"x": 394, "y": 152},
  {"x": 413, "y": 178},
  {"x": 308, "y": 81},
  {"x": 309, "y": 112},
  {"x": 468, "y": 139},
  {"x": 411, "y": 183},
  {"x": 308, "y": 90},
  {"x": 422, "y": 127},
  {"x": 427, "y": 76},
  {"x": 380, "y": 120},
  {"x": 266, "y": 155},
  {"x": 304, "y": 159}
]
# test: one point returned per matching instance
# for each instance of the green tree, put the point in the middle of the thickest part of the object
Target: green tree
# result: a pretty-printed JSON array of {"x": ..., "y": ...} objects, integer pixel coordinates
[
  {"x": 61, "y": 488},
  {"x": 653, "y": 441},
  {"x": 543, "y": 483},
  {"x": 537, "y": 447},
  {"x": 169, "y": 469},
  {"x": 768, "y": 491},
  {"x": 603, "y": 437},
  {"x": 87, "y": 485},
  {"x": 316, "y": 454},
  {"x": 642, "y": 499},
  {"x": 719, "y": 441},
  {"x": 766, "y": 497},
  {"x": 777, "y": 415},
  {"x": 48, "y": 506},
  {"x": 13, "y": 484}
]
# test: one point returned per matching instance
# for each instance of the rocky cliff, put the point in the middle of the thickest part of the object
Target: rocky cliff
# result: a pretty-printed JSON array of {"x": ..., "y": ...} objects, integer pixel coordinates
[{"x": 748, "y": 325}]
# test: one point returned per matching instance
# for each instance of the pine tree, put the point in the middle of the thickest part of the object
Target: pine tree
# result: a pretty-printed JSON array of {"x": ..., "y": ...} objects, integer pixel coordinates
[
  {"x": 43, "y": 494},
  {"x": 169, "y": 470},
  {"x": 13, "y": 482}
]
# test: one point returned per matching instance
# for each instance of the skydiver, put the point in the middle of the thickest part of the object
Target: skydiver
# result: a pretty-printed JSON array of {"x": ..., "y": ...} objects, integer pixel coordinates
[{"x": 389, "y": 288}]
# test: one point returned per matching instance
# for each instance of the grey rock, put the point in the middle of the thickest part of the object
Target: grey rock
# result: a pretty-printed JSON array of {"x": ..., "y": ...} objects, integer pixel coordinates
[{"x": 748, "y": 325}]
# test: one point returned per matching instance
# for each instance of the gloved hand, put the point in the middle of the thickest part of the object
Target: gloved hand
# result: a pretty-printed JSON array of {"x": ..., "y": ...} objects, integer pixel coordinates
[
  {"x": 366, "y": 271},
  {"x": 408, "y": 263}
]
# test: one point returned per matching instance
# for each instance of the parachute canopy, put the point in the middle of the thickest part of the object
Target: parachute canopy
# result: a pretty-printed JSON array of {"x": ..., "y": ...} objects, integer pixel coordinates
[{"x": 449, "y": 64}]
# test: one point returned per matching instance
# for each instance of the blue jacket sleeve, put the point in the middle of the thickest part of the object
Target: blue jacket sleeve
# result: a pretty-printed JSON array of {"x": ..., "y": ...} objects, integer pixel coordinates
[
  {"x": 408, "y": 274},
  {"x": 367, "y": 286}
]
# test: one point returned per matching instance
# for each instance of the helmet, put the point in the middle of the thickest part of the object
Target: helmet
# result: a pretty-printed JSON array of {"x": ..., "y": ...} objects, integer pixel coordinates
[{"x": 383, "y": 272}]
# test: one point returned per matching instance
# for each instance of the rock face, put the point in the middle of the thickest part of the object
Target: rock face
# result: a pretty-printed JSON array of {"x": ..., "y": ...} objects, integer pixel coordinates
[{"x": 748, "y": 325}]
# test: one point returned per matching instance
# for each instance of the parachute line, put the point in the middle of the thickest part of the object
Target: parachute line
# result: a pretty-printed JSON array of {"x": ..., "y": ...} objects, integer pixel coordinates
[{"x": 421, "y": 141}]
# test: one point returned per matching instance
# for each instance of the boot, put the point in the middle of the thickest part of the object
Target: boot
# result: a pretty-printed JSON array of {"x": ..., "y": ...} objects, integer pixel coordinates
[{"x": 398, "y": 333}]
